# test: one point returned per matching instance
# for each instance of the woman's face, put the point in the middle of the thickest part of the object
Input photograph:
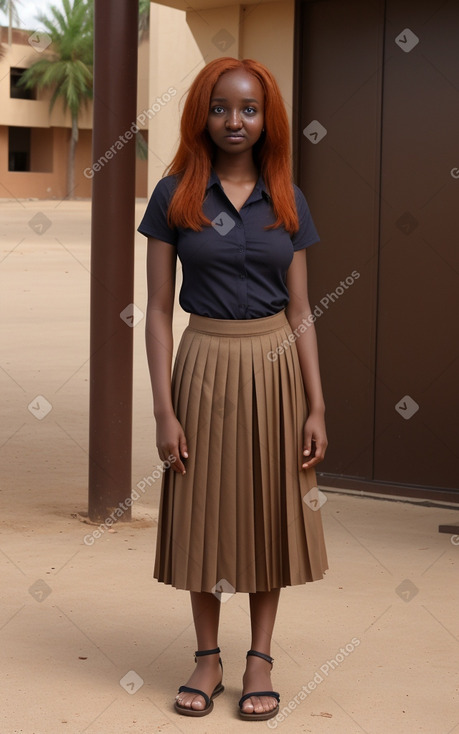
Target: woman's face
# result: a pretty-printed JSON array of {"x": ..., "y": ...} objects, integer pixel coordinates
[{"x": 235, "y": 120}]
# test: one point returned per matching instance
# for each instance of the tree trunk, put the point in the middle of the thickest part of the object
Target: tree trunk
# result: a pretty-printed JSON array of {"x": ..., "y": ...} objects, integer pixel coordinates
[
  {"x": 71, "y": 160},
  {"x": 10, "y": 23}
]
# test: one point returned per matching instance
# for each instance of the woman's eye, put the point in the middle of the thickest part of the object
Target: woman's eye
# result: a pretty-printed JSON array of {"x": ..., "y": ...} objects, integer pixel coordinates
[
  {"x": 250, "y": 110},
  {"x": 218, "y": 109}
]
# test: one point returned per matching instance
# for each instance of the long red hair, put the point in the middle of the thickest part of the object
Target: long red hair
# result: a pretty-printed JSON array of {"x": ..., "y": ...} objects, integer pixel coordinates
[{"x": 195, "y": 153}]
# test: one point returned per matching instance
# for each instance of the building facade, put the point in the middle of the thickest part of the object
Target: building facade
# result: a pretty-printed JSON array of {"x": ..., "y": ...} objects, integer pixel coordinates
[{"x": 34, "y": 142}]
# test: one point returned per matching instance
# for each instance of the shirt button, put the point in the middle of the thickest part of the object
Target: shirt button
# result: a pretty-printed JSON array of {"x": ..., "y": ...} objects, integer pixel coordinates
[{"x": 242, "y": 277}]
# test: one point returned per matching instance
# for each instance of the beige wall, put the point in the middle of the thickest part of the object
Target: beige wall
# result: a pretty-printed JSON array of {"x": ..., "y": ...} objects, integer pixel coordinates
[
  {"x": 33, "y": 112},
  {"x": 143, "y": 70},
  {"x": 267, "y": 36},
  {"x": 183, "y": 42},
  {"x": 46, "y": 184},
  {"x": 50, "y": 132},
  {"x": 42, "y": 152},
  {"x": 173, "y": 52},
  {"x": 52, "y": 184}
]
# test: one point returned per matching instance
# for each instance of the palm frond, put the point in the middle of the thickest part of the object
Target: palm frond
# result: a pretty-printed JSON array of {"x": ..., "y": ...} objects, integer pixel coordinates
[
  {"x": 141, "y": 147},
  {"x": 5, "y": 7},
  {"x": 66, "y": 69},
  {"x": 144, "y": 18}
]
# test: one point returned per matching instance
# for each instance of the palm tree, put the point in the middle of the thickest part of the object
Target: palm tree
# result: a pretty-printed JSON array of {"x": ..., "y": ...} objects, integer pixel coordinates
[
  {"x": 67, "y": 69},
  {"x": 9, "y": 8},
  {"x": 144, "y": 18}
]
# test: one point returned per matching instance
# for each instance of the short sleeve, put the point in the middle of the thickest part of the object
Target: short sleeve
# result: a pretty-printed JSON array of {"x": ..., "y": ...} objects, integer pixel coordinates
[
  {"x": 154, "y": 222},
  {"x": 307, "y": 233}
]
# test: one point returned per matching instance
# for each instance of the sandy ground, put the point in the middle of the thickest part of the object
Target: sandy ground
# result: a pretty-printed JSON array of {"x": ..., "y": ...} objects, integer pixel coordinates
[{"x": 90, "y": 643}]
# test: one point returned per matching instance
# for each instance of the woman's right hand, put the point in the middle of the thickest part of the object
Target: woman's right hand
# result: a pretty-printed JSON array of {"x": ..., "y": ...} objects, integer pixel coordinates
[{"x": 171, "y": 441}]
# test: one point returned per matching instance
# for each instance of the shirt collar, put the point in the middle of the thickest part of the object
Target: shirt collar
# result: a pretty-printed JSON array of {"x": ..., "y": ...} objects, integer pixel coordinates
[{"x": 260, "y": 190}]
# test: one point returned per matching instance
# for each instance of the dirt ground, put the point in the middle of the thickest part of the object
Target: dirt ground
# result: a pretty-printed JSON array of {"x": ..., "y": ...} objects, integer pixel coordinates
[{"x": 91, "y": 644}]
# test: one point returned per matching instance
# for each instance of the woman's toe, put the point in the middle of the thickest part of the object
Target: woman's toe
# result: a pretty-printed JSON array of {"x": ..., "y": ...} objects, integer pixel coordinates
[
  {"x": 198, "y": 703},
  {"x": 185, "y": 702},
  {"x": 269, "y": 703},
  {"x": 247, "y": 706}
]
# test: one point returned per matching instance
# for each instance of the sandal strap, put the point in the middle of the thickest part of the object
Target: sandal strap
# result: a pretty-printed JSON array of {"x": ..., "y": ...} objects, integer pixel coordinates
[
  {"x": 215, "y": 651},
  {"x": 272, "y": 694},
  {"x": 198, "y": 653},
  {"x": 268, "y": 658},
  {"x": 187, "y": 689}
]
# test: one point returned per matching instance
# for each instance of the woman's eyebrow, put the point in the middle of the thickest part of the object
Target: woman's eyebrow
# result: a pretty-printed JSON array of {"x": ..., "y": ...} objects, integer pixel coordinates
[{"x": 223, "y": 99}]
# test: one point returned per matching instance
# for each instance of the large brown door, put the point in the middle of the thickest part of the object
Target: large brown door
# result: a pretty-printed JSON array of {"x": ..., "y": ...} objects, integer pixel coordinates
[{"x": 376, "y": 147}]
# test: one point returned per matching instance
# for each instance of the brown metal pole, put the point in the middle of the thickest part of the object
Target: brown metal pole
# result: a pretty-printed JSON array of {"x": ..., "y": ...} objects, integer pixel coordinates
[{"x": 112, "y": 258}]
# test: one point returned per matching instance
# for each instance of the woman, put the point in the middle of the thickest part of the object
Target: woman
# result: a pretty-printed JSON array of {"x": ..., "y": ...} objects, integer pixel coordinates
[{"x": 243, "y": 421}]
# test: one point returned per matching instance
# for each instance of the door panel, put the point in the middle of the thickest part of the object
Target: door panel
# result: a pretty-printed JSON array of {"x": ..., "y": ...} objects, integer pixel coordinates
[
  {"x": 418, "y": 345},
  {"x": 384, "y": 198},
  {"x": 341, "y": 88}
]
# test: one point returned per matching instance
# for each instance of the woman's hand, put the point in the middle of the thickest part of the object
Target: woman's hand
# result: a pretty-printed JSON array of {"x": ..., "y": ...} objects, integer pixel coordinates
[
  {"x": 171, "y": 441},
  {"x": 314, "y": 440}
]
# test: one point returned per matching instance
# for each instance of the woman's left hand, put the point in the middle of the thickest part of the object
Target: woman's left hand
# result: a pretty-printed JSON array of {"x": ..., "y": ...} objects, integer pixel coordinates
[{"x": 314, "y": 440}]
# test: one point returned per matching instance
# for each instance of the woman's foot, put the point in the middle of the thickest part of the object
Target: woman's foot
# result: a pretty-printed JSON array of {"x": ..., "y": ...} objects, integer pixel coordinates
[
  {"x": 206, "y": 675},
  {"x": 257, "y": 677}
]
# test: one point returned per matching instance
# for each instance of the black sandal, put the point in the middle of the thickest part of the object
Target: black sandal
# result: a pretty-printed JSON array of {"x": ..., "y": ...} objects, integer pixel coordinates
[
  {"x": 219, "y": 688},
  {"x": 273, "y": 694}
]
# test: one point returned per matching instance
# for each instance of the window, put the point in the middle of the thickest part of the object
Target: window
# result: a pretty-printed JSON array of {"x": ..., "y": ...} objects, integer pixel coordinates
[
  {"x": 30, "y": 149},
  {"x": 19, "y": 149},
  {"x": 17, "y": 91}
]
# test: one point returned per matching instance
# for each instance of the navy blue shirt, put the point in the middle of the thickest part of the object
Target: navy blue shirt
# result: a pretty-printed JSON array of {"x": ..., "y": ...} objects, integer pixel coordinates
[{"x": 234, "y": 269}]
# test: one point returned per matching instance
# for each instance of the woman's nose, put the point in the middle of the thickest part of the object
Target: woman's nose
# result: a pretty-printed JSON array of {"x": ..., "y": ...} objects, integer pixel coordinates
[{"x": 234, "y": 120}]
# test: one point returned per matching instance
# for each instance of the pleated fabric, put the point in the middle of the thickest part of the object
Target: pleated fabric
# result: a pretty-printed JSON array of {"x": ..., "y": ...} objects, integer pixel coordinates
[{"x": 237, "y": 519}]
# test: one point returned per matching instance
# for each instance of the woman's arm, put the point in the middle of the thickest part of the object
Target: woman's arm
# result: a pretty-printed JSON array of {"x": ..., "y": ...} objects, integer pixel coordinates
[
  {"x": 306, "y": 343},
  {"x": 161, "y": 267}
]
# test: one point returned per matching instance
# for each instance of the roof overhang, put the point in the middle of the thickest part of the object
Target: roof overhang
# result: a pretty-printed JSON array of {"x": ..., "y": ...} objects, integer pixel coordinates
[{"x": 205, "y": 4}]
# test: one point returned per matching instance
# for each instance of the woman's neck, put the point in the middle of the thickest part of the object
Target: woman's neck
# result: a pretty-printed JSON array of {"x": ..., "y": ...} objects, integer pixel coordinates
[{"x": 235, "y": 168}]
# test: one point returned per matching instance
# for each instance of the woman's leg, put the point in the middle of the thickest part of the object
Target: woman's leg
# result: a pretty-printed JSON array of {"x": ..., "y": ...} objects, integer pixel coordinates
[
  {"x": 263, "y": 610},
  {"x": 207, "y": 673}
]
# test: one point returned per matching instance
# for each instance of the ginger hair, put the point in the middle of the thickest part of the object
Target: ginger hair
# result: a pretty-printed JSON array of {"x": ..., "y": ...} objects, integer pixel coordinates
[{"x": 196, "y": 150}]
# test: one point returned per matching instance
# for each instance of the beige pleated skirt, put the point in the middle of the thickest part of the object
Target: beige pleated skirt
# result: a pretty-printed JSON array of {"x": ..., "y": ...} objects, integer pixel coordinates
[{"x": 239, "y": 519}]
